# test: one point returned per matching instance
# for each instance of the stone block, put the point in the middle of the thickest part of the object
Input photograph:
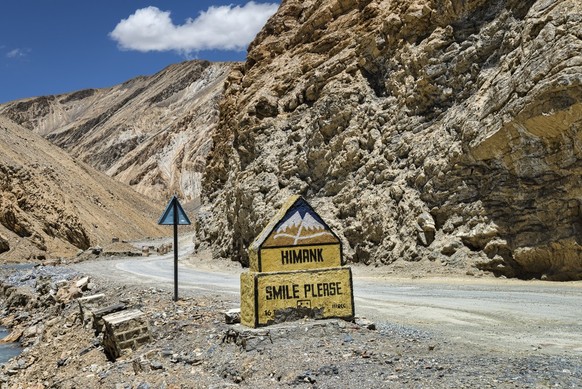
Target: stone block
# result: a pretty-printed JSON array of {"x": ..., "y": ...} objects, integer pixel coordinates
[
  {"x": 232, "y": 316},
  {"x": 87, "y": 304},
  {"x": 98, "y": 314},
  {"x": 275, "y": 297},
  {"x": 124, "y": 330}
]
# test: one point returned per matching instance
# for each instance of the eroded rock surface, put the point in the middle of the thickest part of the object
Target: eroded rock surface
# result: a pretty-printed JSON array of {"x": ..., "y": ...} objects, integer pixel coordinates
[
  {"x": 420, "y": 130},
  {"x": 152, "y": 133},
  {"x": 53, "y": 206}
]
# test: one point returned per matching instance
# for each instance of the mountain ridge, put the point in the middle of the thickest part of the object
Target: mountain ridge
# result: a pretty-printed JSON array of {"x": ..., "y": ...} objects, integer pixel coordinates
[
  {"x": 53, "y": 206},
  {"x": 432, "y": 131},
  {"x": 151, "y": 132}
]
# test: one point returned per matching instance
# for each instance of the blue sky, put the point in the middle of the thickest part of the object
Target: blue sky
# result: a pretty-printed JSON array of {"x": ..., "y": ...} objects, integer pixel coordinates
[{"x": 60, "y": 46}]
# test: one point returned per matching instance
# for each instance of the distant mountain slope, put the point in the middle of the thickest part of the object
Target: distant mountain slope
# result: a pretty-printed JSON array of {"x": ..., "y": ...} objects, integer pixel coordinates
[
  {"x": 51, "y": 205},
  {"x": 447, "y": 132},
  {"x": 150, "y": 132}
]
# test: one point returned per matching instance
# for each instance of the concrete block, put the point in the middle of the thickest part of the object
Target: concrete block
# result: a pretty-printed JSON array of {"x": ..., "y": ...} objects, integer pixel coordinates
[
  {"x": 98, "y": 323},
  {"x": 123, "y": 330},
  {"x": 87, "y": 304}
]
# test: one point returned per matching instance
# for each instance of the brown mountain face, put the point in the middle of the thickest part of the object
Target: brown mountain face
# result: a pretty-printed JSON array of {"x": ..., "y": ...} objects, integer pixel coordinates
[
  {"x": 445, "y": 131},
  {"x": 152, "y": 133},
  {"x": 51, "y": 205}
]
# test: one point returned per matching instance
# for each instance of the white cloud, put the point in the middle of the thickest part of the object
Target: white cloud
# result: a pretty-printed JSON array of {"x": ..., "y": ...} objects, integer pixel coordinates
[
  {"x": 218, "y": 28},
  {"x": 18, "y": 53}
]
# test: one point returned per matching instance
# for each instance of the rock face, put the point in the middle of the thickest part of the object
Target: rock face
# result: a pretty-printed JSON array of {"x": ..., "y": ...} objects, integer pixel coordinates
[
  {"x": 51, "y": 205},
  {"x": 152, "y": 133},
  {"x": 4, "y": 245},
  {"x": 433, "y": 130}
]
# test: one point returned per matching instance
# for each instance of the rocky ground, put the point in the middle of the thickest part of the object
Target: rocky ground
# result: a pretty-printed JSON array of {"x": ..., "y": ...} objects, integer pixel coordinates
[{"x": 193, "y": 347}]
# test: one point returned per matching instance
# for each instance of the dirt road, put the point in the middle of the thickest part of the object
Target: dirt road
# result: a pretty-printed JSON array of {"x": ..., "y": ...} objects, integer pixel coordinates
[{"x": 490, "y": 314}]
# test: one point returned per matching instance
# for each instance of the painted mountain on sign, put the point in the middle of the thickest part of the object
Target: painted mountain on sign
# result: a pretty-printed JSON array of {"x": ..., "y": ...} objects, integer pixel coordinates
[
  {"x": 300, "y": 226},
  {"x": 300, "y": 229},
  {"x": 306, "y": 221}
]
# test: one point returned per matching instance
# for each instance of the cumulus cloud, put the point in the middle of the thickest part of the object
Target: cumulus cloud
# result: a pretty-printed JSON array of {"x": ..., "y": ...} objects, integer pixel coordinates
[{"x": 218, "y": 28}]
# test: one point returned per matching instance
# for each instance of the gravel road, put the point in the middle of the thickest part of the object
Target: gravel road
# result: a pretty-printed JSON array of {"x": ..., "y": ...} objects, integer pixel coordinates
[{"x": 487, "y": 313}]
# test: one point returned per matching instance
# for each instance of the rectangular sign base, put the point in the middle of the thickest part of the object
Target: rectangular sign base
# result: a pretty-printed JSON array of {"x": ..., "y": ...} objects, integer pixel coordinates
[{"x": 270, "y": 298}]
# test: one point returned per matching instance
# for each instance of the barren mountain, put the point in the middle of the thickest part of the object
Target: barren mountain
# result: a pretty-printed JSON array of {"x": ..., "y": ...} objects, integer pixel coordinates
[
  {"x": 421, "y": 130},
  {"x": 150, "y": 132},
  {"x": 51, "y": 205}
]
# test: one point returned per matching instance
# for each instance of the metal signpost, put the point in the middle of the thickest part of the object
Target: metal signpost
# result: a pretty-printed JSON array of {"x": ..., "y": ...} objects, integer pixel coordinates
[{"x": 174, "y": 215}]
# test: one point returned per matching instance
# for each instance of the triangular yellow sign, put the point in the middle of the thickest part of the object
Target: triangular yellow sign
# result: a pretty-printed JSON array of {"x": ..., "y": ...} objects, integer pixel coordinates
[{"x": 296, "y": 238}]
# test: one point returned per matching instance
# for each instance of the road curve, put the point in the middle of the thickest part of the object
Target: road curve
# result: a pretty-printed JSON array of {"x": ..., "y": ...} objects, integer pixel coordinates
[{"x": 491, "y": 314}]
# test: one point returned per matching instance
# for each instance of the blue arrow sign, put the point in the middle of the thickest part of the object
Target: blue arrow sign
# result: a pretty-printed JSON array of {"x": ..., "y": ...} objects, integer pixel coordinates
[{"x": 168, "y": 215}]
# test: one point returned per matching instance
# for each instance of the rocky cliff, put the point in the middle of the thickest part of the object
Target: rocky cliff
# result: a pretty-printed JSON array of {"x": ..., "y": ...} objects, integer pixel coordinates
[
  {"x": 422, "y": 130},
  {"x": 152, "y": 133},
  {"x": 52, "y": 206}
]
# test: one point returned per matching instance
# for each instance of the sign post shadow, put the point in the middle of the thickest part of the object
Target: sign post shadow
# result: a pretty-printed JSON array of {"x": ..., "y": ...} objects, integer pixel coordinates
[{"x": 174, "y": 215}]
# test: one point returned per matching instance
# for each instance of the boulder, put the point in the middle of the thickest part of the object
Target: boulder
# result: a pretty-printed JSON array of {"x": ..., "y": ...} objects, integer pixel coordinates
[
  {"x": 68, "y": 293},
  {"x": 82, "y": 283},
  {"x": 14, "y": 336},
  {"x": 232, "y": 316},
  {"x": 19, "y": 297}
]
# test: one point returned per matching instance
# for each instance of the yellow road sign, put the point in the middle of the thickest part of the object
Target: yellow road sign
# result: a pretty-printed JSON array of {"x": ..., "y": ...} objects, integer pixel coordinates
[
  {"x": 300, "y": 257},
  {"x": 295, "y": 238},
  {"x": 268, "y": 298}
]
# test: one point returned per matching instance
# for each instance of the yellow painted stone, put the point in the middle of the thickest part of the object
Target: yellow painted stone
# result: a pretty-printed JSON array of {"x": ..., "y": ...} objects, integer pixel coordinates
[
  {"x": 300, "y": 258},
  {"x": 295, "y": 238},
  {"x": 247, "y": 299},
  {"x": 269, "y": 298}
]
